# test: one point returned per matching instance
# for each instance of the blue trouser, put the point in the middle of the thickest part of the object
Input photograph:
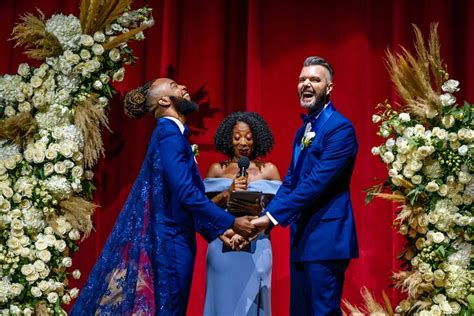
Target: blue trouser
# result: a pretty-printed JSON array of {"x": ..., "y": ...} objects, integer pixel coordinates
[{"x": 316, "y": 287}]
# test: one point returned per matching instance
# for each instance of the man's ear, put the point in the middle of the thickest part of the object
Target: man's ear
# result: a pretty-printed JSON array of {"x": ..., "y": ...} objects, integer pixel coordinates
[
  {"x": 164, "y": 102},
  {"x": 329, "y": 88}
]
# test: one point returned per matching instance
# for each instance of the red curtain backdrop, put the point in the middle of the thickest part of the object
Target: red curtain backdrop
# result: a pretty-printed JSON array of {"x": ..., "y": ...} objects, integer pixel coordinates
[{"x": 249, "y": 54}]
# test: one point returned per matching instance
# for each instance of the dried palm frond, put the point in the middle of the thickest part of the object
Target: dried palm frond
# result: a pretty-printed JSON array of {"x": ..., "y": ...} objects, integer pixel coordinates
[
  {"x": 412, "y": 282},
  {"x": 90, "y": 119},
  {"x": 31, "y": 33},
  {"x": 78, "y": 212},
  {"x": 353, "y": 310},
  {"x": 124, "y": 37},
  {"x": 95, "y": 15},
  {"x": 391, "y": 197},
  {"x": 412, "y": 75},
  {"x": 18, "y": 128},
  {"x": 370, "y": 305}
]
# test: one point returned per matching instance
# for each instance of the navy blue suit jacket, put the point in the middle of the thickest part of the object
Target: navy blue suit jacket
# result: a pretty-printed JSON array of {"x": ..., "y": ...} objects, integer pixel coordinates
[
  {"x": 185, "y": 203},
  {"x": 314, "y": 197}
]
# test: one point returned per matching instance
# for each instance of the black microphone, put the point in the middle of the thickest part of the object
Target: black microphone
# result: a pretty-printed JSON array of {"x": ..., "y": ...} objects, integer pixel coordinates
[{"x": 243, "y": 164}]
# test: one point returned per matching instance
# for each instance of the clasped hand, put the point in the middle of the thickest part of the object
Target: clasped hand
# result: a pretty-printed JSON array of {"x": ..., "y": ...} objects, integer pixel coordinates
[{"x": 244, "y": 230}]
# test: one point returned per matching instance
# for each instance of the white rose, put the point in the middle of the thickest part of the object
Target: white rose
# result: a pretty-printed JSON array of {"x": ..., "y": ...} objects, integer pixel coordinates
[
  {"x": 416, "y": 179},
  {"x": 38, "y": 100},
  {"x": 408, "y": 172},
  {"x": 392, "y": 173},
  {"x": 10, "y": 111},
  {"x": 463, "y": 150},
  {"x": 431, "y": 113},
  {"x": 432, "y": 187},
  {"x": 27, "y": 269},
  {"x": 404, "y": 117},
  {"x": 448, "y": 121},
  {"x": 87, "y": 40},
  {"x": 13, "y": 243},
  {"x": 97, "y": 85},
  {"x": 455, "y": 307},
  {"x": 10, "y": 163},
  {"x": 48, "y": 168},
  {"x": 388, "y": 157},
  {"x": 438, "y": 237},
  {"x": 44, "y": 274},
  {"x": 66, "y": 151},
  {"x": 76, "y": 274},
  {"x": 447, "y": 99},
  {"x": 7, "y": 192},
  {"x": 36, "y": 82},
  {"x": 376, "y": 118},
  {"x": 44, "y": 255},
  {"x": 375, "y": 151},
  {"x": 60, "y": 245},
  {"x": 39, "y": 265},
  {"x": 104, "y": 78},
  {"x": 77, "y": 172},
  {"x": 16, "y": 288},
  {"x": 36, "y": 292},
  {"x": 428, "y": 276},
  {"x": 60, "y": 168},
  {"x": 98, "y": 49},
  {"x": 74, "y": 292},
  {"x": 119, "y": 74},
  {"x": 443, "y": 190},
  {"x": 51, "y": 154},
  {"x": 53, "y": 297},
  {"x": 66, "y": 262},
  {"x": 439, "y": 274},
  {"x": 450, "y": 86},
  {"x": 99, "y": 37},
  {"x": 85, "y": 54},
  {"x": 114, "y": 54},
  {"x": 74, "y": 234},
  {"x": 38, "y": 156},
  {"x": 43, "y": 286},
  {"x": 68, "y": 163},
  {"x": 41, "y": 244},
  {"x": 24, "y": 70},
  {"x": 424, "y": 267},
  {"x": 24, "y": 107},
  {"x": 464, "y": 177}
]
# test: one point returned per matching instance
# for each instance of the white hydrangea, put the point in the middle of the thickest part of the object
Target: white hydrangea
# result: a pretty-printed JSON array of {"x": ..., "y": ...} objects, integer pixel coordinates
[{"x": 67, "y": 29}]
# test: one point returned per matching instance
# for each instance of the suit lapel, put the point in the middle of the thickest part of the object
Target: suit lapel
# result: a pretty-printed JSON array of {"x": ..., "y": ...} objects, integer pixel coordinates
[{"x": 317, "y": 128}]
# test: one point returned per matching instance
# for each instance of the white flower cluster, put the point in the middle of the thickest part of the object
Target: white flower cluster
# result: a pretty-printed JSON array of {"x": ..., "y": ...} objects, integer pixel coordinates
[
  {"x": 35, "y": 178},
  {"x": 432, "y": 166},
  {"x": 66, "y": 28}
]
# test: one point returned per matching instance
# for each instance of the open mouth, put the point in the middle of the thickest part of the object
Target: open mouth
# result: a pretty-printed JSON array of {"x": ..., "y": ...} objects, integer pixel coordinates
[
  {"x": 243, "y": 152},
  {"x": 307, "y": 96}
]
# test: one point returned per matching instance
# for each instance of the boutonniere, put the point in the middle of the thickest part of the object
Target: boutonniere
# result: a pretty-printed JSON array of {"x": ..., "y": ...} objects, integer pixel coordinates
[
  {"x": 195, "y": 149},
  {"x": 307, "y": 139}
]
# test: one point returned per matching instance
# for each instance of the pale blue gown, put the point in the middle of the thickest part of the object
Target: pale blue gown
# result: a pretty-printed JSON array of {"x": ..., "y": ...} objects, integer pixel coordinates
[{"x": 239, "y": 282}]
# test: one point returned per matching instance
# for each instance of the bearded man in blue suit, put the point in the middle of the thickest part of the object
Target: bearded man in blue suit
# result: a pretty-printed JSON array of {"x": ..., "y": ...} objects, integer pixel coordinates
[{"x": 315, "y": 199}]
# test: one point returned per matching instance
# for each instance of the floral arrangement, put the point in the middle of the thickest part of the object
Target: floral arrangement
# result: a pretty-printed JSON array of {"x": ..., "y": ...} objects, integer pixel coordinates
[
  {"x": 50, "y": 138},
  {"x": 429, "y": 153}
]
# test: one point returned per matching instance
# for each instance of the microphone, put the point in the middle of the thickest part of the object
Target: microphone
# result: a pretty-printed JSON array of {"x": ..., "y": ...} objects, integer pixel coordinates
[{"x": 243, "y": 164}]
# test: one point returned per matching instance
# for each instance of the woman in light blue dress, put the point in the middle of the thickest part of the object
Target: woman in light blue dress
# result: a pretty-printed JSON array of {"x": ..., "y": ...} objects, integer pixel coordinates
[{"x": 239, "y": 282}]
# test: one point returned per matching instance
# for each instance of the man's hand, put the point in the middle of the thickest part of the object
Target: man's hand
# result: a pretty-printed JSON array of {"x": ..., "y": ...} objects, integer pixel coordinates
[
  {"x": 227, "y": 238},
  {"x": 244, "y": 227},
  {"x": 261, "y": 223}
]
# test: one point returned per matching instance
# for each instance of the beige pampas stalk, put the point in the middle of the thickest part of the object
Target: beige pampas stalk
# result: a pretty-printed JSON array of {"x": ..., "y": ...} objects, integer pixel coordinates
[
  {"x": 90, "y": 119},
  {"x": 371, "y": 306},
  {"x": 31, "y": 33},
  {"x": 124, "y": 37},
  {"x": 19, "y": 128},
  {"x": 95, "y": 15},
  {"x": 412, "y": 75},
  {"x": 78, "y": 212}
]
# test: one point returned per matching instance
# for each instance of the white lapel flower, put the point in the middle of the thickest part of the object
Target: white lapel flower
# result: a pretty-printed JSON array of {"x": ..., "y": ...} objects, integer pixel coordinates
[
  {"x": 195, "y": 149},
  {"x": 307, "y": 139}
]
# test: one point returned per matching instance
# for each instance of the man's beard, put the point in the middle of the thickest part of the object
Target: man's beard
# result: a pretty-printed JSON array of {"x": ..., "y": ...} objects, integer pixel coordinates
[
  {"x": 184, "y": 106},
  {"x": 318, "y": 102}
]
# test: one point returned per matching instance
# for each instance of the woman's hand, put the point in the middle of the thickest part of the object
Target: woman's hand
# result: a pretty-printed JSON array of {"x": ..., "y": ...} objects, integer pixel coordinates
[{"x": 239, "y": 184}]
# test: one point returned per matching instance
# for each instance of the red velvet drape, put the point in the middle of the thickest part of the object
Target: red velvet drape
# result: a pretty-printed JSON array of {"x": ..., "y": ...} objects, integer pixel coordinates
[{"x": 250, "y": 53}]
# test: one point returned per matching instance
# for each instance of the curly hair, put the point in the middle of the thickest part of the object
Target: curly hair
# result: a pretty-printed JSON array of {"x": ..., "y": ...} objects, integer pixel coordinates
[{"x": 262, "y": 135}]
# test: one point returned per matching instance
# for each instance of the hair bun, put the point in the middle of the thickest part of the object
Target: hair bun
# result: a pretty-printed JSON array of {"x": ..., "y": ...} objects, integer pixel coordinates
[
  {"x": 135, "y": 101},
  {"x": 134, "y": 104}
]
